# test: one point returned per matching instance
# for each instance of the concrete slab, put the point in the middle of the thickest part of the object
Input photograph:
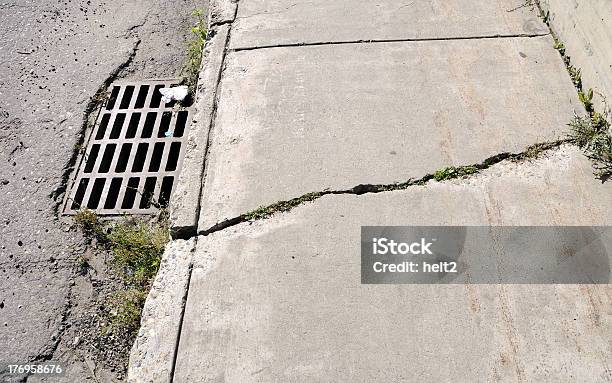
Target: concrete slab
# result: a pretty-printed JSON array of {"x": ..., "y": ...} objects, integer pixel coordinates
[
  {"x": 281, "y": 300},
  {"x": 297, "y": 120},
  {"x": 275, "y": 22}
]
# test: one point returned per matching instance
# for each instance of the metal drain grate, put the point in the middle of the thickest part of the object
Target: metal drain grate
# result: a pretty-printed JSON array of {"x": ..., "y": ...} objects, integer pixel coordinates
[{"x": 134, "y": 153}]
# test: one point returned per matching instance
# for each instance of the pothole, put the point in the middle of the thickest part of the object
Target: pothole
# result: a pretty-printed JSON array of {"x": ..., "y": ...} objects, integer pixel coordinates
[{"x": 134, "y": 153}]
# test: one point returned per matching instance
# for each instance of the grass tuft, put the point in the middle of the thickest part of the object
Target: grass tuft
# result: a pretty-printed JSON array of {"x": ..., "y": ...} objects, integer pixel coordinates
[
  {"x": 126, "y": 307},
  {"x": 136, "y": 247},
  {"x": 89, "y": 222},
  {"x": 594, "y": 136},
  {"x": 195, "y": 49}
]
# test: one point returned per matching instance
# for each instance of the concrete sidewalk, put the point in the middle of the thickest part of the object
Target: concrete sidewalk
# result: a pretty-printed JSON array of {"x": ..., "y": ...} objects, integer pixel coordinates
[{"x": 308, "y": 97}]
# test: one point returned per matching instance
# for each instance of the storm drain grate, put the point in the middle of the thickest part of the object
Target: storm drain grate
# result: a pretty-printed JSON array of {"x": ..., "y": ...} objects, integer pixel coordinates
[{"x": 134, "y": 153}]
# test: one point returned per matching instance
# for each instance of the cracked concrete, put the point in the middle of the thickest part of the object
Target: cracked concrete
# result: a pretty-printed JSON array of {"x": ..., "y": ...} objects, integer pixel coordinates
[
  {"x": 313, "y": 124},
  {"x": 277, "y": 299},
  {"x": 324, "y": 106}
]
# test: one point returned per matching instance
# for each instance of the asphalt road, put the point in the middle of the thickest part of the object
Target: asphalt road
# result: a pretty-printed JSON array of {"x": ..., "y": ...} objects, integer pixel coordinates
[{"x": 54, "y": 56}]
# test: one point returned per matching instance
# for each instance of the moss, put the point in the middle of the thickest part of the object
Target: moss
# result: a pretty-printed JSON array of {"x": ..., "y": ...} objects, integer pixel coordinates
[{"x": 451, "y": 172}]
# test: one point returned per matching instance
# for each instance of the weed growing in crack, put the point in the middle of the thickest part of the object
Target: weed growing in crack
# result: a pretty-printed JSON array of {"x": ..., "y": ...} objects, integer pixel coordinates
[
  {"x": 576, "y": 76},
  {"x": 591, "y": 133},
  {"x": 594, "y": 136},
  {"x": 279, "y": 207},
  {"x": 451, "y": 172},
  {"x": 136, "y": 247},
  {"x": 534, "y": 151},
  {"x": 587, "y": 100},
  {"x": 444, "y": 174},
  {"x": 558, "y": 45},
  {"x": 195, "y": 49}
]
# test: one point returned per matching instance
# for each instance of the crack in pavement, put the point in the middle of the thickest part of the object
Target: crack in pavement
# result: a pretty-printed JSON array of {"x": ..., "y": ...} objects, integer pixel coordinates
[
  {"x": 88, "y": 120},
  {"x": 377, "y": 41},
  {"x": 267, "y": 211}
]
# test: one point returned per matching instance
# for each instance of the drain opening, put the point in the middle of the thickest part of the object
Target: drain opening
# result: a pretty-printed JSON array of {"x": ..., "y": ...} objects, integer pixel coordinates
[
  {"x": 91, "y": 159},
  {"x": 117, "y": 126},
  {"x": 124, "y": 157},
  {"x": 127, "y": 97},
  {"x": 141, "y": 156},
  {"x": 113, "y": 98},
  {"x": 147, "y": 130},
  {"x": 103, "y": 125},
  {"x": 96, "y": 193},
  {"x": 80, "y": 193},
  {"x": 164, "y": 125},
  {"x": 134, "y": 154},
  {"x": 130, "y": 193},
  {"x": 181, "y": 121},
  {"x": 142, "y": 97},
  {"x": 133, "y": 126},
  {"x": 147, "y": 193},
  {"x": 166, "y": 189},
  {"x": 113, "y": 193},
  {"x": 156, "y": 158}
]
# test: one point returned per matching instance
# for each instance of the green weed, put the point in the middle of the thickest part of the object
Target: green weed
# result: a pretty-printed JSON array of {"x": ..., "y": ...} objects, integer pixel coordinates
[
  {"x": 451, "y": 172},
  {"x": 125, "y": 310},
  {"x": 586, "y": 99},
  {"x": 89, "y": 222},
  {"x": 279, "y": 207},
  {"x": 195, "y": 49},
  {"x": 136, "y": 247},
  {"x": 594, "y": 136}
]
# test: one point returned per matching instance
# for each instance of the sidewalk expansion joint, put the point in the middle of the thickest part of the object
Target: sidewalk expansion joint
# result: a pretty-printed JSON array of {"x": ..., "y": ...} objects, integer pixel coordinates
[
  {"x": 375, "y": 41},
  {"x": 448, "y": 173},
  {"x": 183, "y": 306}
]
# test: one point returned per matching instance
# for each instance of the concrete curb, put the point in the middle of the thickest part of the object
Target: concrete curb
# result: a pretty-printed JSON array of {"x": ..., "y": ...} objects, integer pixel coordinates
[
  {"x": 152, "y": 355},
  {"x": 221, "y": 11},
  {"x": 185, "y": 201}
]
